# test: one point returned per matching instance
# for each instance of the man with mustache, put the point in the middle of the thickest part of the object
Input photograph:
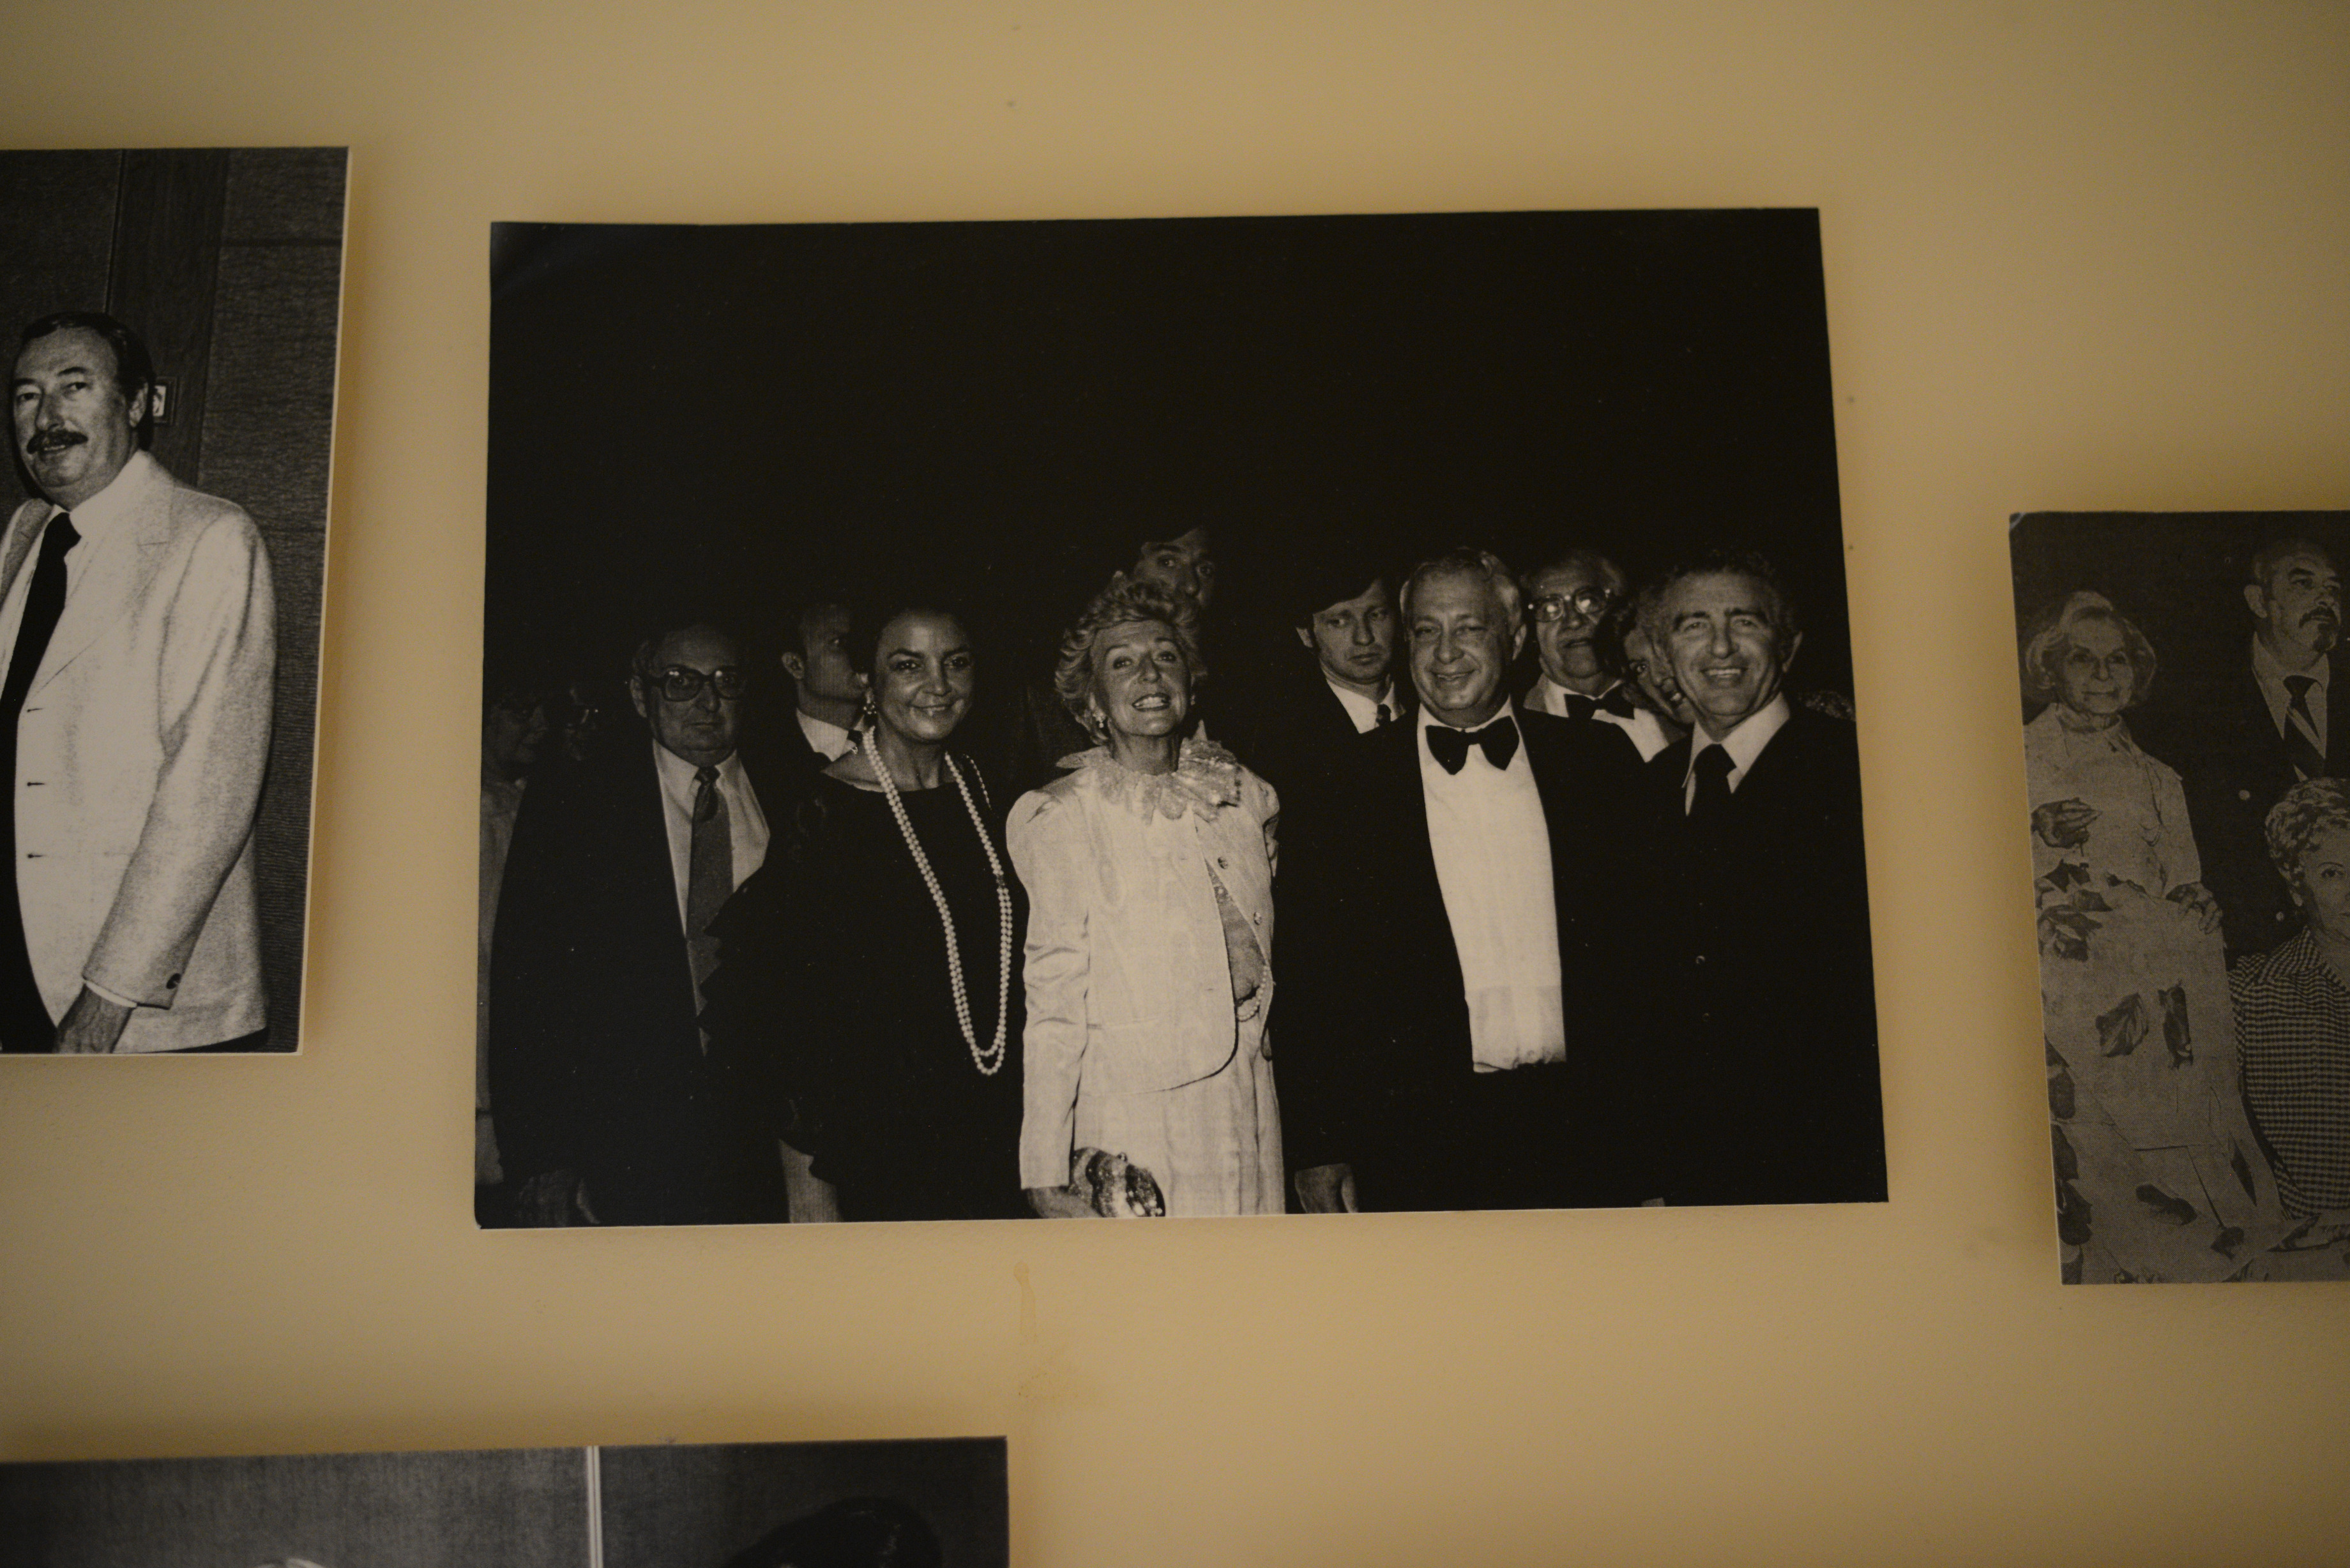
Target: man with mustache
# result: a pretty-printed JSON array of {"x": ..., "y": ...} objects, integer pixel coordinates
[
  {"x": 140, "y": 629},
  {"x": 2242, "y": 741},
  {"x": 1764, "y": 1081},
  {"x": 610, "y": 1108},
  {"x": 1449, "y": 957}
]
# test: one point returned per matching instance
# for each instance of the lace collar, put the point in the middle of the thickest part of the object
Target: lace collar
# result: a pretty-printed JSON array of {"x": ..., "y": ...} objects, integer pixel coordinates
[{"x": 1207, "y": 779}]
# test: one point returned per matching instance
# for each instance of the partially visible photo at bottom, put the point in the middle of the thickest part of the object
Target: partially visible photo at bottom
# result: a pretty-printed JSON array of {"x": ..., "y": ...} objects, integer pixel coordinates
[{"x": 928, "y": 1503}]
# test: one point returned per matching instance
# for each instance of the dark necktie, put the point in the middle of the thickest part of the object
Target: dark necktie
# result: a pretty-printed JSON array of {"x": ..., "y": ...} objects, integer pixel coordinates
[
  {"x": 1616, "y": 701},
  {"x": 24, "y": 1020},
  {"x": 708, "y": 875},
  {"x": 1712, "y": 801},
  {"x": 2301, "y": 730},
  {"x": 1386, "y": 716},
  {"x": 1450, "y": 747}
]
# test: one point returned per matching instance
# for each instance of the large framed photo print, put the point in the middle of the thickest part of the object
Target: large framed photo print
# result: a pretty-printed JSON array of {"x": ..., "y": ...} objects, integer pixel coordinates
[{"x": 1189, "y": 717}]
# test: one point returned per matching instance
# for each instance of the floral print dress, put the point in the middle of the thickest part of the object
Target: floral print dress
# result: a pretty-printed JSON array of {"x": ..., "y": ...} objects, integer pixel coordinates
[{"x": 2158, "y": 1176}]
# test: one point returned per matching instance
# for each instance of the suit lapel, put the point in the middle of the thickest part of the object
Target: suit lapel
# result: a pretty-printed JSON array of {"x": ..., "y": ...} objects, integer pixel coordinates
[{"x": 23, "y": 529}]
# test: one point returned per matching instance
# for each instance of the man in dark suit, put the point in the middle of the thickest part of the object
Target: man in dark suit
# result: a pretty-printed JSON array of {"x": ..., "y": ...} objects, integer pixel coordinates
[
  {"x": 2253, "y": 735},
  {"x": 1447, "y": 958},
  {"x": 1762, "y": 1085},
  {"x": 827, "y": 688},
  {"x": 610, "y": 1108},
  {"x": 1301, "y": 727}
]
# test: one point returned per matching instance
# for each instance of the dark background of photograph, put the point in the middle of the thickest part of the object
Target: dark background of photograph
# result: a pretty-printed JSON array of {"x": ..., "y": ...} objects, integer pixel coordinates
[
  {"x": 696, "y": 1507},
  {"x": 718, "y": 416},
  {"x": 228, "y": 264},
  {"x": 2178, "y": 575},
  {"x": 516, "y": 1508}
]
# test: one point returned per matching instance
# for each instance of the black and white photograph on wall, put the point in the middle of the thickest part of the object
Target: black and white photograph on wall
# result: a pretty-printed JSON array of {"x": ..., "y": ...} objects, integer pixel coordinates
[
  {"x": 171, "y": 321},
  {"x": 1158, "y": 718},
  {"x": 2189, "y": 791},
  {"x": 919, "y": 1504}
]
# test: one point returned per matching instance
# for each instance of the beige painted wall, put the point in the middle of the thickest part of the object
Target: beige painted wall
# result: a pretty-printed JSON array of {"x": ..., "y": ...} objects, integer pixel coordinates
[{"x": 2078, "y": 256}]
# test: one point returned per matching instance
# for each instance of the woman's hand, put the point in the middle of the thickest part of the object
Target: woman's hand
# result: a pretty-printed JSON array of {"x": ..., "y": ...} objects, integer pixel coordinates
[{"x": 2064, "y": 824}]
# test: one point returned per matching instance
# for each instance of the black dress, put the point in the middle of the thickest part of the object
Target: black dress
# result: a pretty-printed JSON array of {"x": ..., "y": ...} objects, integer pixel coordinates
[{"x": 832, "y": 995}]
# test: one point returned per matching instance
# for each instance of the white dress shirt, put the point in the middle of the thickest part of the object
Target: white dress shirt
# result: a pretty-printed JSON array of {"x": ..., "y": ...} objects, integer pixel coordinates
[
  {"x": 1362, "y": 712},
  {"x": 823, "y": 735},
  {"x": 1646, "y": 730},
  {"x": 90, "y": 520},
  {"x": 2270, "y": 675},
  {"x": 1492, "y": 845},
  {"x": 746, "y": 825},
  {"x": 1745, "y": 744}
]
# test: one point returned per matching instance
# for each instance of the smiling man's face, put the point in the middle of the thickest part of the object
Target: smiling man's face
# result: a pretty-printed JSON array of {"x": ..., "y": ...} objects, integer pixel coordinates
[
  {"x": 74, "y": 420},
  {"x": 1726, "y": 653}
]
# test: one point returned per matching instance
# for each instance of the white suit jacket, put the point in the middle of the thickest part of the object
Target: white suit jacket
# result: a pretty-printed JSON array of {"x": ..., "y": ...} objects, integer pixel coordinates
[
  {"x": 1129, "y": 991},
  {"x": 140, "y": 757}
]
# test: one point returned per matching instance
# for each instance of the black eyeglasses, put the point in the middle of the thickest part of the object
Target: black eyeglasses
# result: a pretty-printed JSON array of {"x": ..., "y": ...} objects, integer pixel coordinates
[
  {"x": 683, "y": 683},
  {"x": 1588, "y": 603}
]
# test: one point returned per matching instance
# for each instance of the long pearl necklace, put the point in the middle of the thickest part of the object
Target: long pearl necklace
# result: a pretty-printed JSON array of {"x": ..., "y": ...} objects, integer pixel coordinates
[{"x": 989, "y": 1061}]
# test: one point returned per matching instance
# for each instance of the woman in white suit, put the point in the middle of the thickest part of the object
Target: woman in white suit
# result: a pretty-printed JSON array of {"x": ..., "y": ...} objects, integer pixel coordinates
[{"x": 1149, "y": 869}]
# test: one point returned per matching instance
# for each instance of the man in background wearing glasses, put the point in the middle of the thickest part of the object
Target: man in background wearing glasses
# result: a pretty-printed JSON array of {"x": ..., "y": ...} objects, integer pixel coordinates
[
  {"x": 1565, "y": 602},
  {"x": 610, "y": 1108}
]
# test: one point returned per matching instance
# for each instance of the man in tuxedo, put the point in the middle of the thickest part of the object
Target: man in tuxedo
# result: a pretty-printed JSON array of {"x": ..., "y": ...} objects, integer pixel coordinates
[
  {"x": 1300, "y": 728},
  {"x": 610, "y": 1108},
  {"x": 1567, "y": 602},
  {"x": 1447, "y": 953},
  {"x": 140, "y": 626},
  {"x": 1765, "y": 1087},
  {"x": 2252, "y": 735}
]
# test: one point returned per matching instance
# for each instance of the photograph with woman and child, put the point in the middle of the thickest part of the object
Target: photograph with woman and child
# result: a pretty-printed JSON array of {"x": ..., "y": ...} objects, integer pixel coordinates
[
  {"x": 1169, "y": 718},
  {"x": 2190, "y": 800}
]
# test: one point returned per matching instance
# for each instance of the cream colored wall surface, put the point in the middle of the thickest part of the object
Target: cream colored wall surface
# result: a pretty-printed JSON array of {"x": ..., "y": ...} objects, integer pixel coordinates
[{"x": 2078, "y": 256}]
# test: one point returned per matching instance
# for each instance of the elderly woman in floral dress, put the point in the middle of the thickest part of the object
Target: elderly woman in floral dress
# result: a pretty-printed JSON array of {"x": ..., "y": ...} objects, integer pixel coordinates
[
  {"x": 2158, "y": 1177},
  {"x": 1149, "y": 1078}
]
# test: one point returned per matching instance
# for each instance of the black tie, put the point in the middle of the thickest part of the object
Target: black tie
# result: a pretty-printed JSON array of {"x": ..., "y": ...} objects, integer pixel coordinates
[
  {"x": 24, "y": 1020},
  {"x": 1617, "y": 701},
  {"x": 2299, "y": 727},
  {"x": 1713, "y": 798},
  {"x": 1450, "y": 747},
  {"x": 1386, "y": 716}
]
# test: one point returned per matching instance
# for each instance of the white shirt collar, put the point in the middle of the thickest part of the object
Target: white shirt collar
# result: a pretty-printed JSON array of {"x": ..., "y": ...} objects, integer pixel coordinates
[
  {"x": 2271, "y": 674},
  {"x": 1364, "y": 712},
  {"x": 677, "y": 775},
  {"x": 94, "y": 517},
  {"x": 1745, "y": 743},
  {"x": 823, "y": 734}
]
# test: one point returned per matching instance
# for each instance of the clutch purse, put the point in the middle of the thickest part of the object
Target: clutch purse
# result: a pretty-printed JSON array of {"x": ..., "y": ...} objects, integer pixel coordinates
[{"x": 1115, "y": 1186}]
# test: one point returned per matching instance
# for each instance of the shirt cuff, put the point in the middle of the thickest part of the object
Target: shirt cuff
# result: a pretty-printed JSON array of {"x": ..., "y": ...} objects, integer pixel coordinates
[{"x": 92, "y": 986}]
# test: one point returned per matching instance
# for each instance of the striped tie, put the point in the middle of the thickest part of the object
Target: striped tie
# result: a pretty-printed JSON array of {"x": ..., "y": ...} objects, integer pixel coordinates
[{"x": 2301, "y": 738}]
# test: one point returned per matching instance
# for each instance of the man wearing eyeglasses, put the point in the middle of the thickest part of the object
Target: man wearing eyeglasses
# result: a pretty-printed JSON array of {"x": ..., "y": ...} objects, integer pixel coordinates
[
  {"x": 1567, "y": 600},
  {"x": 610, "y": 1107}
]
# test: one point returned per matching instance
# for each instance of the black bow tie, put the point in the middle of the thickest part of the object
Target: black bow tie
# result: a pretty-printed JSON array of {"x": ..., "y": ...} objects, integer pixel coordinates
[
  {"x": 1617, "y": 701},
  {"x": 1450, "y": 747}
]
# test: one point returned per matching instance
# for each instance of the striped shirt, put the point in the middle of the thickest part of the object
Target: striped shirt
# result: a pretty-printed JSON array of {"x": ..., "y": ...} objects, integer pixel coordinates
[{"x": 2293, "y": 1043}]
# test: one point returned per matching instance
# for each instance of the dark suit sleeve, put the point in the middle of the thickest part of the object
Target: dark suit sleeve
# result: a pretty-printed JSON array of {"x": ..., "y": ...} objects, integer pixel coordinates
[{"x": 533, "y": 985}]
